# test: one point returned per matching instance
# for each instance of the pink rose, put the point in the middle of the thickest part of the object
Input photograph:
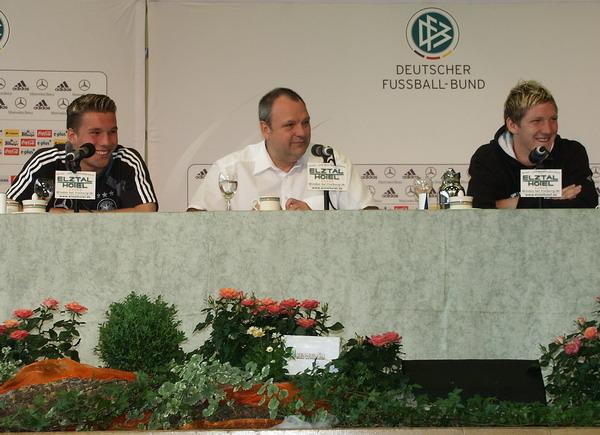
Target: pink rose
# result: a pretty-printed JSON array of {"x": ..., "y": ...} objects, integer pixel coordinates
[
  {"x": 76, "y": 307},
  {"x": 11, "y": 323},
  {"x": 384, "y": 339},
  {"x": 230, "y": 293},
  {"x": 19, "y": 335},
  {"x": 573, "y": 346},
  {"x": 306, "y": 323},
  {"x": 590, "y": 333},
  {"x": 289, "y": 303},
  {"x": 50, "y": 303},
  {"x": 309, "y": 304},
  {"x": 23, "y": 314}
]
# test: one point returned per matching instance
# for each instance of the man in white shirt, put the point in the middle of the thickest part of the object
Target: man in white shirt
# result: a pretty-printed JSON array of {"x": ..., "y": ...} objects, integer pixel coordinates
[{"x": 278, "y": 166}]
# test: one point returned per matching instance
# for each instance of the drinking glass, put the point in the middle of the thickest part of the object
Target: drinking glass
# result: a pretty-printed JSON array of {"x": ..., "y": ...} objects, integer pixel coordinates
[{"x": 228, "y": 185}]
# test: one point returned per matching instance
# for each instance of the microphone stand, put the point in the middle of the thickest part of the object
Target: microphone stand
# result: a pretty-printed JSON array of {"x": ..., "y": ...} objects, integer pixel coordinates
[
  {"x": 74, "y": 167},
  {"x": 326, "y": 199},
  {"x": 540, "y": 165}
]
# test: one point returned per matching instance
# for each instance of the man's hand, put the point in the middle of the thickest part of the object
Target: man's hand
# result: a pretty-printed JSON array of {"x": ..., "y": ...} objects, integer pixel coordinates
[
  {"x": 507, "y": 203},
  {"x": 570, "y": 192},
  {"x": 296, "y": 204}
]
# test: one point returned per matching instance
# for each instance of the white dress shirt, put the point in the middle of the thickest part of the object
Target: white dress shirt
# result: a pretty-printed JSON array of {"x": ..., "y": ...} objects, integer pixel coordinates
[{"x": 258, "y": 176}]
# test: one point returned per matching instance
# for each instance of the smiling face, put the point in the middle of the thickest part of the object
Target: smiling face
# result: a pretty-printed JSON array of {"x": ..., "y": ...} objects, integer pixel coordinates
[
  {"x": 99, "y": 129},
  {"x": 538, "y": 127},
  {"x": 288, "y": 134}
]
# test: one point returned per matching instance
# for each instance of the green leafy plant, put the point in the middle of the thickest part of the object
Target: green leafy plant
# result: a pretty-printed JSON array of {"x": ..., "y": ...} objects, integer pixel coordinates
[
  {"x": 8, "y": 366},
  {"x": 574, "y": 361},
  {"x": 141, "y": 335},
  {"x": 200, "y": 391},
  {"x": 248, "y": 329},
  {"x": 33, "y": 334},
  {"x": 73, "y": 404}
]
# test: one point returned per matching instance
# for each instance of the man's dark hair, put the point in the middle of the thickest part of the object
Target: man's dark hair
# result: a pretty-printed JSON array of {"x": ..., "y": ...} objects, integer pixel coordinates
[
  {"x": 88, "y": 103},
  {"x": 266, "y": 102}
]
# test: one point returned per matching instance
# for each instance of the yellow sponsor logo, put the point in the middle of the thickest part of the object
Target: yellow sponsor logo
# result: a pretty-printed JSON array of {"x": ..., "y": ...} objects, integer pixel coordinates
[
  {"x": 12, "y": 132},
  {"x": 60, "y": 141}
]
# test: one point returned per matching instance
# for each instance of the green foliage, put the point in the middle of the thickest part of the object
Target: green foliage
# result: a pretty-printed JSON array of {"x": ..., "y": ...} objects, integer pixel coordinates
[
  {"x": 34, "y": 335},
  {"x": 248, "y": 329},
  {"x": 78, "y": 409},
  {"x": 141, "y": 335},
  {"x": 8, "y": 366},
  {"x": 199, "y": 391},
  {"x": 574, "y": 361}
]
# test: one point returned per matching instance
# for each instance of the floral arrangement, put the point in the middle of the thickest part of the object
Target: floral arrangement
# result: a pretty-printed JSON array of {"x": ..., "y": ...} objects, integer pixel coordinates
[
  {"x": 27, "y": 337},
  {"x": 250, "y": 329},
  {"x": 574, "y": 360}
]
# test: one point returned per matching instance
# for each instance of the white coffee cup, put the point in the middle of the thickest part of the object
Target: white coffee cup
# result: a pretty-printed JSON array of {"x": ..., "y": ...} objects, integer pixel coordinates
[
  {"x": 461, "y": 202},
  {"x": 267, "y": 203}
]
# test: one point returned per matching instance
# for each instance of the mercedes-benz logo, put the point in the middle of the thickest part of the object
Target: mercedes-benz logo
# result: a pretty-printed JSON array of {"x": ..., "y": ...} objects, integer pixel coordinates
[
  {"x": 430, "y": 172},
  {"x": 42, "y": 84},
  {"x": 20, "y": 102},
  {"x": 84, "y": 85},
  {"x": 389, "y": 172},
  {"x": 2, "y": 83},
  {"x": 410, "y": 190},
  {"x": 595, "y": 172},
  {"x": 62, "y": 103}
]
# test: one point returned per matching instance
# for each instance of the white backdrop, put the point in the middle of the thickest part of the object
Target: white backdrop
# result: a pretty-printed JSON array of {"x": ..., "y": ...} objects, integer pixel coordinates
[
  {"x": 57, "y": 51},
  {"x": 210, "y": 62}
]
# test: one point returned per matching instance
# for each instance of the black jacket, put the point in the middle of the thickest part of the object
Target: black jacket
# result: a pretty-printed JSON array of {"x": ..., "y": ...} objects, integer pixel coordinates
[{"x": 496, "y": 175}]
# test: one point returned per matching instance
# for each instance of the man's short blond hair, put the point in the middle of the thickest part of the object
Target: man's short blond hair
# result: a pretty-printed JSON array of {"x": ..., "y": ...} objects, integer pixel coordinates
[
  {"x": 525, "y": 95},
  {"x": 88, "y": 103}
]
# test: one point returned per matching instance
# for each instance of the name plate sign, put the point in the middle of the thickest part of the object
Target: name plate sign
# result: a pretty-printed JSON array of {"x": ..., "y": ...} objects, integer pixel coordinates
[
  {"x": 307, "y": 351},
  {"x": 325, "y": 176},
  {"x": 541, "y": 183},
  {"x": 79, "y": 185}
]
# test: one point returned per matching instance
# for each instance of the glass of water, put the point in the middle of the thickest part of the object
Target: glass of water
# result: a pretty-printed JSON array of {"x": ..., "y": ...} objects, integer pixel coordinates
[{"x": 228, "y": 183}]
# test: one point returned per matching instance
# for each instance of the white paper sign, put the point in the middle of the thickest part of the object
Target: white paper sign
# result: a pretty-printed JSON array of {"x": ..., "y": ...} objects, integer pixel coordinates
[
  {"x": 307, "y": 351},
  {"x": 80, "y": 185},
  {"x": 325, "y": 176},
  {"x": 541, "y": 183}
]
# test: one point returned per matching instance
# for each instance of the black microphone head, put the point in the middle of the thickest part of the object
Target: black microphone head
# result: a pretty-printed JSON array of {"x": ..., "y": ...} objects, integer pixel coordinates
[
  {"x": 87, "y": 150},
  {"x": 538, "y": 154},
  {"x": 317, "y": 150}
]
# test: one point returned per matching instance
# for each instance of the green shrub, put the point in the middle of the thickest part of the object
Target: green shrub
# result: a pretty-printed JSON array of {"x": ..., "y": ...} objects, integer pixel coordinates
[{"x": 141, "y": 335}]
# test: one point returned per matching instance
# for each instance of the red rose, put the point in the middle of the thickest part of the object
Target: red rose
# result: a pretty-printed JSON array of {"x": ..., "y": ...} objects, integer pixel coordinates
[
  {"x": 230, "y": 293},
  {"x": 309, "y": 304},
  {"x": 573, "y": 346},
  {"x": 384, "y": 339},
  {"x": 306, "y": 323},
  {"x": 289, "y": 303},
  {"x": 274, "y": 309},
  {"x": 76, "y": 307},
  {"x": 11, "y": 323},
  {"x": 248, "y": 302},
  {"x": 267, "y": 301},
  {"x": 2, "y": 329},
  {"x": 19, "y": 335},
  {"x": 50, "y": 303},
  {"x": 590, "y": 333},
  {"x": 23, "y": 314}
]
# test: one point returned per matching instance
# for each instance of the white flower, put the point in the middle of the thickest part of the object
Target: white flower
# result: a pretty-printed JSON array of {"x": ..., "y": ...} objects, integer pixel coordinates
[
  {"x": 255, "y": 332},
  {"x": 269, "y": 349}
]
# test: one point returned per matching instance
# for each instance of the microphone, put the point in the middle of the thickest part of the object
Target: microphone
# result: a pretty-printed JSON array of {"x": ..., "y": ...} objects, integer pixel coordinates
[
  {"x": 84, "y": 151},
  {"x": 538, "y": 155},
  {"x": 318, "y": 150}
]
